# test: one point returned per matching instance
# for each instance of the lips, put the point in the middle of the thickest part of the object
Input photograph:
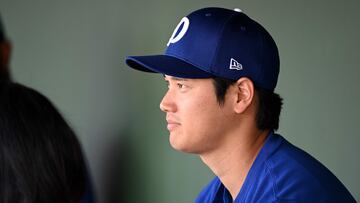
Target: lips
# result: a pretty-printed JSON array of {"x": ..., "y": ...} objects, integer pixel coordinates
[
  {"x": 171, "y": 126},
  {"x": 172, "y": 123}
]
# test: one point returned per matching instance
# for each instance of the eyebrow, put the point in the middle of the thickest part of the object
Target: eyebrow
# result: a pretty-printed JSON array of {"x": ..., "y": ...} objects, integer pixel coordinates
[{"x": 175, "y": 78}]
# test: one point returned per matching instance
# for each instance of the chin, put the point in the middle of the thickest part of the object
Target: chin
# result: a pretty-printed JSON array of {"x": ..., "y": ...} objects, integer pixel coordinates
[
  {"x": 176, "y": 143},
  {"x": 181, "y": 146}
]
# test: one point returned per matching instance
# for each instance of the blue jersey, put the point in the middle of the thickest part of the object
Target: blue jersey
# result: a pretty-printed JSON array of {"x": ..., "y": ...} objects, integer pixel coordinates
[{"x": 281, "y": 172}]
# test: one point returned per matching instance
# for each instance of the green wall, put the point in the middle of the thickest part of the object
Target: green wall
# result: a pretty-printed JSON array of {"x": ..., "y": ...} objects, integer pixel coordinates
[{"x": 73, "y": 52}]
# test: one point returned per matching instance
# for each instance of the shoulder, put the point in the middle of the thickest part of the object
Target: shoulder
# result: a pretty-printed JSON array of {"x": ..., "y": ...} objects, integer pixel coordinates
[{"x": 296, "y": 175}]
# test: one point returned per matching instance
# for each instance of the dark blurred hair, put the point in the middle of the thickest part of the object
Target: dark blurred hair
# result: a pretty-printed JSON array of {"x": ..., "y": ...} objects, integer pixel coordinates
[
  {"x": 4, "y": 66},
  {"x": 41, "y": 159},
  {"x": 269, "y": 107},
  {"x": 2, "y": 31}
]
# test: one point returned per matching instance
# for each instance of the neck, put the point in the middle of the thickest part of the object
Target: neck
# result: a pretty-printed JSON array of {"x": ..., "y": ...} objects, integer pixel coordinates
[{"x": 232, "y": 161}]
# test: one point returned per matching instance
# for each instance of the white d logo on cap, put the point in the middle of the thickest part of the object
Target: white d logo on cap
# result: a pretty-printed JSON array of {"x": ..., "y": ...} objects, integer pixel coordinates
[{"x": 173, "y": 38}]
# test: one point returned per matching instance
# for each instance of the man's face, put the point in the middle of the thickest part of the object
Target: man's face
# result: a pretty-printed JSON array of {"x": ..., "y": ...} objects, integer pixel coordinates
[{"x": 196, "y": 121}]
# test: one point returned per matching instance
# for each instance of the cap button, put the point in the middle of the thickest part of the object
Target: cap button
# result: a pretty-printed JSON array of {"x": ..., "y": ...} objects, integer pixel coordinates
[{"x": 238, "y": 10}]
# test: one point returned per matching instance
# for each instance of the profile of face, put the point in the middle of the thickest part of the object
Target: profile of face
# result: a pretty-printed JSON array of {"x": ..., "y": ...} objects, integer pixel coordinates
[{"x": 197, "y": 123}]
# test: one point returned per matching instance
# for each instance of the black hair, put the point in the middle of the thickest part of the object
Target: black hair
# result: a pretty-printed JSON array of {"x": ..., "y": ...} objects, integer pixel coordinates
[
  {"x": 41, "y": 160},
  {"x": 269, "y": 105}
]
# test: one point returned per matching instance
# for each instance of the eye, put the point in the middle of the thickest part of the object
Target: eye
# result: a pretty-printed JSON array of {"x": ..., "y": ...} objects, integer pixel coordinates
[{"x": 180, "y": 86}]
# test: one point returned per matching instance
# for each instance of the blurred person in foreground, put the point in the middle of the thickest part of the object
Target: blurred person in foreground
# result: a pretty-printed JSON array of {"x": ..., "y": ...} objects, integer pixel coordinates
[
  {"x": 21, "y": 180},
  {"x": 40, "y": 157}
]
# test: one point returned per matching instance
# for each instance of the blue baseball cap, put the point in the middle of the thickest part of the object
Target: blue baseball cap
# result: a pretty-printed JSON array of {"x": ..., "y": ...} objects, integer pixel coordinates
[{"x": 216, "y": 42}]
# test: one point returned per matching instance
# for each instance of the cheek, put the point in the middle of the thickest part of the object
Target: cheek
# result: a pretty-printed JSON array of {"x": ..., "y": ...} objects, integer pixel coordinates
[
  {"x": 194, "y": 111},
  {"x": 202, "y": 117},
  {"x": 203, "y": 131}
]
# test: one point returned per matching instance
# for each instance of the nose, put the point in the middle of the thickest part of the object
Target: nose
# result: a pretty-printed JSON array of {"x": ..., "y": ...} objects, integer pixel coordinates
[{"x": 167, "y": 104}]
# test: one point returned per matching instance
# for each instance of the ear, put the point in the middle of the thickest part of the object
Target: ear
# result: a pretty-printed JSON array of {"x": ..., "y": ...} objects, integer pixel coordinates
[{"x": 245, "y": 94}]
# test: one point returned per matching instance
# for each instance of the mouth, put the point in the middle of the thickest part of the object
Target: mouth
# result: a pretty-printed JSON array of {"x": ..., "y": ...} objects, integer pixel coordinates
[{"x": 172, "y": 124}]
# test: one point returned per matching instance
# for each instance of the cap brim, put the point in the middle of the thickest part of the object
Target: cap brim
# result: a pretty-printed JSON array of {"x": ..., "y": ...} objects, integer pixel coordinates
[{"x": 167, "y": 65}]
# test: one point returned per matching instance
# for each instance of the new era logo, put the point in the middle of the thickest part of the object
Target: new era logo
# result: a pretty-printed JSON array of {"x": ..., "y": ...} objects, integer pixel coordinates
[{"x": 234, "y": 65}]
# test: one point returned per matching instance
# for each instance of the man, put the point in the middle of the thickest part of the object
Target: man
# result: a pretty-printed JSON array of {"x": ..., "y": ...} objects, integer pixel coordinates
[{"x": 222, "y": 68}]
